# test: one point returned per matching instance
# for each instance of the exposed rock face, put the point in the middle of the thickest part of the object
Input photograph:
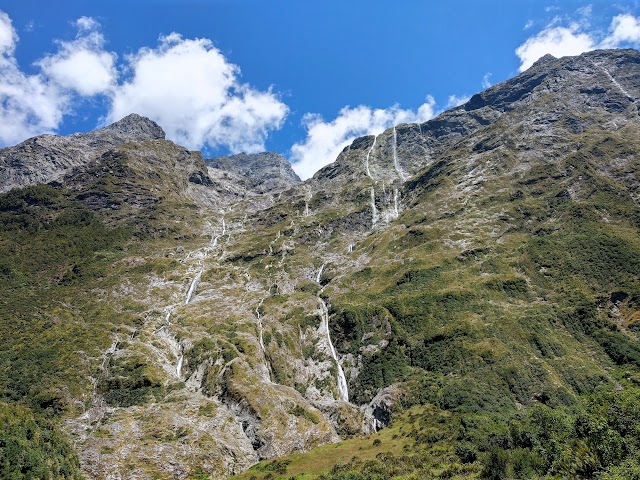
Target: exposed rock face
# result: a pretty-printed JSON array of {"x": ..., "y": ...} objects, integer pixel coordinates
[
  {"x": 263, "y": 172},
  {"x": 47, "y": 158},
  {"x": 552, "y": 97}
]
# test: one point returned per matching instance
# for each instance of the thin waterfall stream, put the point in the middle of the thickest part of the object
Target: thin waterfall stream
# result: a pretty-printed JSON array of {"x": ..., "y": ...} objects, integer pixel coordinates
[
  {"x": 342, "y": 380},
  {"x": 396, "y": 163}
]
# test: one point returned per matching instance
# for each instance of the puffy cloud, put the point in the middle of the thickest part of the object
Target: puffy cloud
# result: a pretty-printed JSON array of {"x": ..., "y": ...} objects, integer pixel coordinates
[
  {"x": 624, "y": 29},
  {"x": 35, "y": 104},
  {"x": 558, "y": 41},
  {"x": 486, "y": 80},
  {"x": 28, "y": 104},
  {"x": 82, "y": 65},
  {"x": 190, "y": 88},
  {"x": 326, "y": 139},
  {"x": 561, "y": 41},
  {"x": 8, "y": 35},
  {"x": 457, "y": 100}
]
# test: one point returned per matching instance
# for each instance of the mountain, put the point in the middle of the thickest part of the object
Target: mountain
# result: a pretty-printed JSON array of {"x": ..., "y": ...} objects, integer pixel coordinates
[
  {"x": 264, "y": 172},
  {"x": 453, "y": 299},
  {"x": 47, "y": 158}
]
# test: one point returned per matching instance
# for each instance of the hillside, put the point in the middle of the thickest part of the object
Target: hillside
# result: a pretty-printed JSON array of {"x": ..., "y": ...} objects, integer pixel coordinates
[{"x": 453, "y": 299}]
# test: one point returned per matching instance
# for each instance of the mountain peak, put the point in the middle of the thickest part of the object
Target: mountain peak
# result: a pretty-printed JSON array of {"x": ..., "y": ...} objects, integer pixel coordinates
[
  {"x": 544, "y": 59},
  {"x": 137, "y": 127}
]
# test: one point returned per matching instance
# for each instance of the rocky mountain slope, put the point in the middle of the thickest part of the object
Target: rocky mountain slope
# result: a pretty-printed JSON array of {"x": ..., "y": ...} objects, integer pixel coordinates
[
  {"x": 263, "y": 172},
  {"x": 453, "y": 285}
]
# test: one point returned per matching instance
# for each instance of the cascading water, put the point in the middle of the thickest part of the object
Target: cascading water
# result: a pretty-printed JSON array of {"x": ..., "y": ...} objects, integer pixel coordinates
[
  {"x": 193, "y": 286},
  {"x": 613, "y": 80},
  {"x": 180, "y": 361},
  {"x": 366, "y": 164},
  {"x": 395, "y": 203},
  {"x": 319, "y": 275},
  {"x": 261, "y": 340},
  {"x": 374, "y": 210},
  {"x": 342, "y": 380},
  {"x": 167, "y": 316},
  {"x": 396, "y": 163}
]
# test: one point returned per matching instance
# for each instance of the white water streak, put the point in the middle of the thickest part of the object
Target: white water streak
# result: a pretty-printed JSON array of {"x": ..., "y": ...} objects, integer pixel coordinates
[
  {"x": 366, "y": 164},
  {"x": 614, "y": 81},
  {"x": 260, "y": 338},
  {"x": 374, "y": 210},
  {"x": 396, "y": 163},
  {"x": 342, "y": 380},
  {"x": 319, "y": 275},
  {"x": 180, "y": 361},
  {"x": 395, "y": 202},
  {"x": 193, "y": 286}
]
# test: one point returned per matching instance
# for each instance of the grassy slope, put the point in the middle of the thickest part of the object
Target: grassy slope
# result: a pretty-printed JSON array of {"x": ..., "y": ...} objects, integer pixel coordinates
[{"x": 60, "y": 262}]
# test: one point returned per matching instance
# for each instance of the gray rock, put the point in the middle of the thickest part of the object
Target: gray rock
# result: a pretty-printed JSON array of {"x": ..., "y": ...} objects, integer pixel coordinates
[
  {"x": 263, "y": 172},
  {"x": 48, "y": 158}
]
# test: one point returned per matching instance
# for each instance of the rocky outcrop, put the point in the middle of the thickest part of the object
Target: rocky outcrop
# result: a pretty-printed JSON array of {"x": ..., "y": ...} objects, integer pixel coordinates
[
  {"x": 262, "y": 172},
  {"x": 48, "y": 158}
]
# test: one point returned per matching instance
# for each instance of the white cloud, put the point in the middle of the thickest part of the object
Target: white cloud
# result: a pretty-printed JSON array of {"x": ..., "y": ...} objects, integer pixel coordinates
[
  {"x": 486, "y": 80},
  {"x": 624, "y": 29},
  {"x": 561, "y": 41},
  {"x": 82, "y": 65},
  {"x": 8, "y": 35},
  {"x": 87, "y": 24},
  {"x": 187, "y": 86},
  {"x": 456, "y": 101},
  {"x": 558, "y": 41},
  {"x": 28, "y": 104},
  {"x": 190, "y": 88},
  {"x": 325, "y": 140},
  {"x": 35, "y": 104}
]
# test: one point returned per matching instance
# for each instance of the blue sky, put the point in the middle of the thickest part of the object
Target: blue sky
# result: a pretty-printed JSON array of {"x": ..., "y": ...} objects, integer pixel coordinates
[{"x": 298, "y": 77}]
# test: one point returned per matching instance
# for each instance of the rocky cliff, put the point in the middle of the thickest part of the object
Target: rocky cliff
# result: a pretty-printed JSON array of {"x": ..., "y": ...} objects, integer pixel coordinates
[{"x": 263, "y": 172}]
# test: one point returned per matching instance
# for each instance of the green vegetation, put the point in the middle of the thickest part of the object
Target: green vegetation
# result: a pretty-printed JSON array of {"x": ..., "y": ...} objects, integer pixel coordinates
[{"x": 32, "y": 447}]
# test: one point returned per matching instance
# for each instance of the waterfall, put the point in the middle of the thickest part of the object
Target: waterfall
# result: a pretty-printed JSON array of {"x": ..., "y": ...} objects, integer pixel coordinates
[
  {"x": 350, "y": 248},
  {"x": 395, "y": 202},
  {"x": 169, "y": 311},
  {"x": 179, "y": 365},
  {"x": 260, "y": 325},
  {"x": 260, "y": 338},
  {"x": 374, "y": 210},
  {"x": 396, "y": 163},
  {"x": 613, "y": 80},
  {"x": 342, "y": 380},
  {"x": 366, "y": 164},
  {"x": 224, "y": 228},
  {"x": 306, "y": 209},
  {"x": 193, "y": 286},
  {"x": 319, "y": 275}
]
